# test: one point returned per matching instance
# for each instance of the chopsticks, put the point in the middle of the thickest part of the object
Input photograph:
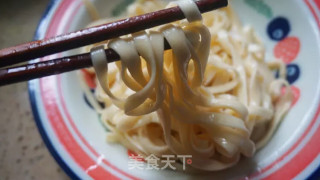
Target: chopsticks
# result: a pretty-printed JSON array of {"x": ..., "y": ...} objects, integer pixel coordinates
[
  {"x": 41, "y": 48},
  {"x": 52, "y": 67}
]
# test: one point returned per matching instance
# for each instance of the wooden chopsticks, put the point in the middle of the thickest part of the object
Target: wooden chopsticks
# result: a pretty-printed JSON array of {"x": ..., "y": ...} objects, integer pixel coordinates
[
  {"x": 52, "y": 67},
  {"x": 40, "y": 48}
]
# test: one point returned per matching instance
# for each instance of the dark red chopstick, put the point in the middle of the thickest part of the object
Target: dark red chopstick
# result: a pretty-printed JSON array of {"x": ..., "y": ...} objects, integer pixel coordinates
[
  {"x": 36, "y": 49},
  {"x": 80, "y": 38},
  {"x": 52, "y": 67}
]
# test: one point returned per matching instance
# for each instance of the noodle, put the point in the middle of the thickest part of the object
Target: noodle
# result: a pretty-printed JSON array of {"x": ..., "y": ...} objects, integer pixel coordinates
[{"x": 212, "y": 96}]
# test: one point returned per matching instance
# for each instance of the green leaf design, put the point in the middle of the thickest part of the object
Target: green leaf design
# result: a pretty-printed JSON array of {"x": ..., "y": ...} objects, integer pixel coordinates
[
  {"x": 121, "y": 7},
  {"x": 103, "y": 125},
  {"x": 261, "y": 7}
]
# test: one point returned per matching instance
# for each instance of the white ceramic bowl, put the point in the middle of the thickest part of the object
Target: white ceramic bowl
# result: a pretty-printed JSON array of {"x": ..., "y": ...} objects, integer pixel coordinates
[{"x": 76, "y": 138}]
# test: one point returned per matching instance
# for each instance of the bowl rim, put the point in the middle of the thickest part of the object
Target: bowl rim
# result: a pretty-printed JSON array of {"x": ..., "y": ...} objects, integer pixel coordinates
[{"x": 32, "y": 98}]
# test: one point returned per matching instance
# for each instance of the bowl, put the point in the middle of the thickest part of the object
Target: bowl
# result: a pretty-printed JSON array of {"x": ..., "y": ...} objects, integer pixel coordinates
[{"x": 74, "y": 135}]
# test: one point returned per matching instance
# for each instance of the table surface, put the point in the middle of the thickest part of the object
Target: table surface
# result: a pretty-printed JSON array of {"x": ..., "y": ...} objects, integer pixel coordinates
[{"x": 23, "y": 154}]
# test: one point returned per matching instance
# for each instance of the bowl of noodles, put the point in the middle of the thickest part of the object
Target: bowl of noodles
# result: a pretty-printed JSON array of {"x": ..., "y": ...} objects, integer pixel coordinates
[{"x": 236, "y": 96}]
